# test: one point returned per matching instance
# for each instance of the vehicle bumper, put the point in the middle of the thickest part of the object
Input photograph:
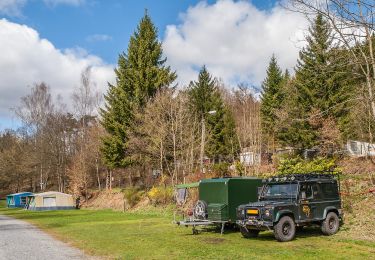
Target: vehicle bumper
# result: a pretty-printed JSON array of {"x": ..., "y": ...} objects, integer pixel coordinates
[{"x": 255, "y": 223}]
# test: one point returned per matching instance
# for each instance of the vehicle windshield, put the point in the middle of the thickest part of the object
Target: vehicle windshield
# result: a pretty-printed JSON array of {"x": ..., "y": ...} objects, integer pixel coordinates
[{"x": 280, "y": 190}]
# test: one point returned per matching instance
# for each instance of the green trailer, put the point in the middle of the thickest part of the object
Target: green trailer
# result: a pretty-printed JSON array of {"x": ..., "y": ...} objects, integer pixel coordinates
[{"x": 219, "y": 199}]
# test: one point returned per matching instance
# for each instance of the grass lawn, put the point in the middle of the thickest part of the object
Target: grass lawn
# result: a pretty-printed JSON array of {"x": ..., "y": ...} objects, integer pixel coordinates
[{"x": 150, "y": 235}]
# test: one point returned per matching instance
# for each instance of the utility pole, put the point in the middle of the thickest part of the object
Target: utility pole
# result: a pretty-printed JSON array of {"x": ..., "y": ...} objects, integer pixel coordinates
[{"x": 202, "y": 142}]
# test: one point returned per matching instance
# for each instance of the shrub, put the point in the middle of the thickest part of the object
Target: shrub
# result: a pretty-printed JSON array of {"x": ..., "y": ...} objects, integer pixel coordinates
[
  {"x": 160, "y": 195},
  {"x": 220, "y": 169},
  {"x": 298, "y": 165},
  {"x": 132, "y": 196},
  {"x": 240, "y": 168}
]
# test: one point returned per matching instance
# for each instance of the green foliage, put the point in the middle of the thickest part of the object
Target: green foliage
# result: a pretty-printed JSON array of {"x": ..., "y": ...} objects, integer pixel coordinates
[
  {"x": 220, "y": 169},
  {"x": 140, "y": 73},
  {"x": 133, "y": 195},
  {"x": 240, "y": 168},
  {"x": 298, "y": 165},
  {"x": 204, "y": 96},
  {"x": 272, "y": 97},
  {"x": 320, "y": 86}
]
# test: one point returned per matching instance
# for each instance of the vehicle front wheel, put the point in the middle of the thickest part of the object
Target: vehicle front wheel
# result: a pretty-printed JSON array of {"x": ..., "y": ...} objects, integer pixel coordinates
[
  {"x": 249, "y": 233},
  {"x": 285, "y": 229},
  {"x": 331, "y": 224}
]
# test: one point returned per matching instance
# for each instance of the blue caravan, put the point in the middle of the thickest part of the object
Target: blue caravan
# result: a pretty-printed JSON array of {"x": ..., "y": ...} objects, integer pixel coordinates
[{"x": 18, "y": 200}]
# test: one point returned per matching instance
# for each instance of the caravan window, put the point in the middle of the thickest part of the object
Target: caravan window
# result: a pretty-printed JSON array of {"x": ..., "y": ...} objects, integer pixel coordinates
[{"x": 49, "y": 201}]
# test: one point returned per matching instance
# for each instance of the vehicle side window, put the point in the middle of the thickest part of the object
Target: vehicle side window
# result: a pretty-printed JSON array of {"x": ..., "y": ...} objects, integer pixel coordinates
[
  {"x": 316, "y": 191},
  {"x": 306, "y": 191},
  {"x": 329, "y": 190}
]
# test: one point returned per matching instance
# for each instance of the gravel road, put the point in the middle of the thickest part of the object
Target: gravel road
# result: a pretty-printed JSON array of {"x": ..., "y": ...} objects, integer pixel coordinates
[{"x": 20, "y": 240}]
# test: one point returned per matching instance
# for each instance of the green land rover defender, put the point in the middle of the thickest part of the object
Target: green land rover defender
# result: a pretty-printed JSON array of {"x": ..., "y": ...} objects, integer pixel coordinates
[{"x": 293, "y": 201}]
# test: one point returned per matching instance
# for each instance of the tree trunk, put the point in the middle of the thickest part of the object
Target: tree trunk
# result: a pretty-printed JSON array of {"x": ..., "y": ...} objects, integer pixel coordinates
[{"x": 97, "y": 173}]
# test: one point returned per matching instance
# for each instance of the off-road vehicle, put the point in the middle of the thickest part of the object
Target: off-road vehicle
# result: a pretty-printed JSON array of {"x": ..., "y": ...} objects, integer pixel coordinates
[{"x": 286, "y": 203}]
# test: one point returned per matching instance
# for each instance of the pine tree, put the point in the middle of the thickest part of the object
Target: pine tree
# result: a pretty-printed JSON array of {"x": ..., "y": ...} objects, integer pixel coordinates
[
  {"x": 321, "y": 84},
  {"x": 141, "y": 72},
  {"x": 320, "y": 87},
  {"x": 272, "y": 97},
  {"x": 313, "y": 70},
  {"x": 207, "y": 103}
]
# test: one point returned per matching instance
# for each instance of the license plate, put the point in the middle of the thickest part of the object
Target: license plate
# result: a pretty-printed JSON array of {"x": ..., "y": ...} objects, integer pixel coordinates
[{"x": 252, "y": 211}]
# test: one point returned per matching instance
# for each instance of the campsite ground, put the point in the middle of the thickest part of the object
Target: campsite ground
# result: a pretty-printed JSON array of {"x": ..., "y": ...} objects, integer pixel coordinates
[{"x": 151, "y": 235}]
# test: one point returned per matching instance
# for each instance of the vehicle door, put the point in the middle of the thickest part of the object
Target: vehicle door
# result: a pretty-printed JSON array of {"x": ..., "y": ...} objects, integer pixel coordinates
[
  {"x": 330, "y": 196},
  {"x": 308, "y": 201}
]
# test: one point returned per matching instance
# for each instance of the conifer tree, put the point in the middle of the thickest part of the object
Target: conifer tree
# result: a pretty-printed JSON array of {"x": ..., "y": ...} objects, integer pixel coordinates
[
  {"x": 217, "y": 121},
  {"x": 321, "y": 85},
  {"x": 272, "y": 97},
  {"x": 140, "y": 73}
]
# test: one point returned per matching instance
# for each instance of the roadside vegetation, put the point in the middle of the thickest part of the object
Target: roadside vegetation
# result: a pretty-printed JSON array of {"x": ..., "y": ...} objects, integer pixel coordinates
[{"x": 149, "y": 234}]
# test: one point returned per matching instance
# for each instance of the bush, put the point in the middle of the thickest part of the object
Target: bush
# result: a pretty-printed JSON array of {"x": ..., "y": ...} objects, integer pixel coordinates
[
  {"x": 132, "y": 196},
  {"x": 220, "y": 169},
  {"x": 240, "y": 168},
  {"x": 298, "y": 165},
  {"x": 160, "y": 195}
]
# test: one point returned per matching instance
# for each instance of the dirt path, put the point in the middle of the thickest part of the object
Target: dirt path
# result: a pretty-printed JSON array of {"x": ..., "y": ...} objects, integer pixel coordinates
[{"x": 20, "y": 240}]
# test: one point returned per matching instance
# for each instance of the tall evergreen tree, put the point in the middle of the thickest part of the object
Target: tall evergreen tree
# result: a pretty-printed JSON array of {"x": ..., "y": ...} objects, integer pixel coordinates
[
  {"x": 321, "y": 85},
  {"x": 272, "y": 97},
  {"x": 141, "y": 72},
  {"x": 217, "y": 121}
]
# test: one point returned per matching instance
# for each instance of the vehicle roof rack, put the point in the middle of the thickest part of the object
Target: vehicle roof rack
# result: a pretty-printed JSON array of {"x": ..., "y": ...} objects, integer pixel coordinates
[{"x": 303, "y": 176}]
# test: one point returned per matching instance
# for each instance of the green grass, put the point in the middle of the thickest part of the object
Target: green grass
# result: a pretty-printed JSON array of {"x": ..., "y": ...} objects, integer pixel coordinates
[{"x": 150, "y": 235}]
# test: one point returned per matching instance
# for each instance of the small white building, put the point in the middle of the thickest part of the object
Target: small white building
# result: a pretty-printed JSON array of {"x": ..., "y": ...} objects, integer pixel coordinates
[
  {"x": 250, "y": 158},
  {"x": 360, "y": 149}
]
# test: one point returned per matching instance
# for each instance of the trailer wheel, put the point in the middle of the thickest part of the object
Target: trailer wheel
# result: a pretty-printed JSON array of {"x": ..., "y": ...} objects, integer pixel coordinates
[
  {"x": 249, "y": 233},
  {"x": 200, "y": 210}
]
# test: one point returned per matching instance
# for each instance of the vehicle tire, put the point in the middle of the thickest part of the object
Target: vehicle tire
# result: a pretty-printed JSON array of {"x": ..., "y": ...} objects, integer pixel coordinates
[
  {"x": 249, "y": 233},
  {"x": 285, "y": 229},
  {"x": 200, "y": 210},
  {"x": 331, "y": 224}
]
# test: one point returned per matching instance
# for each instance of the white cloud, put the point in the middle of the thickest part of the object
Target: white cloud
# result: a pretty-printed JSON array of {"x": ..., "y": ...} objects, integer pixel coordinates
[
  {"x": 66, "y": 2},
  {"x": 98, "y": 38},
  {"x": 27, "y": 59},
  {"x": 11, "y": 7},
  {"x": 234, "y": 39}
]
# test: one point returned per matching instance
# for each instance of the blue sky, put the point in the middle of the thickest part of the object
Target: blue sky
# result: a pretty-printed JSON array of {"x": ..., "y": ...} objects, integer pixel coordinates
[
  {"x": 68, "y": 26},
  {"x": 53, "y": 41}
]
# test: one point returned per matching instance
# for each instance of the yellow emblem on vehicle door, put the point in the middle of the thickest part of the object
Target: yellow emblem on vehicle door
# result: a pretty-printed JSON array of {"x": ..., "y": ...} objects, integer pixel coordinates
[{"x": 306, "y": 210}]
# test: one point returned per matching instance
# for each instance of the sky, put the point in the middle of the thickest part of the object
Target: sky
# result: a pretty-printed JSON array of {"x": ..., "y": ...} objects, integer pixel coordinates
[{"x": 55, "y": 40}]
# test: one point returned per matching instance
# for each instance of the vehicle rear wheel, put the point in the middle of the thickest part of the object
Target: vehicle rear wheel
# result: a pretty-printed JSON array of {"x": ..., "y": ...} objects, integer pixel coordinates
[
  {"x": 249, "y": 233},
  {"x": 331, "y": 224},
  {"x": 285, "y": 229}
]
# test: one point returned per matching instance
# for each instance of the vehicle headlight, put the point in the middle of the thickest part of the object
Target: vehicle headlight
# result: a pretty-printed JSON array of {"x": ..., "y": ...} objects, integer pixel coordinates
[
  {"x": 241, "y": 212},
  {"x": 267, "y": 213}
]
